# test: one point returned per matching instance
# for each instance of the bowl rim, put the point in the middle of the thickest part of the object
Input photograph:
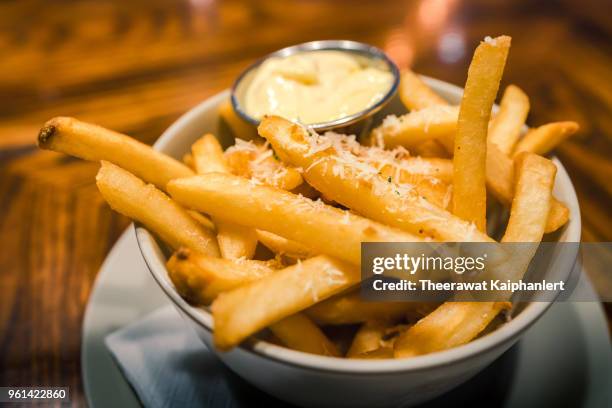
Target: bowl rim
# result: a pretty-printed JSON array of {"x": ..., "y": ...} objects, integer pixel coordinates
[
  {"x": 326, "y": 45},
  {"x": 153, "y": 258}
]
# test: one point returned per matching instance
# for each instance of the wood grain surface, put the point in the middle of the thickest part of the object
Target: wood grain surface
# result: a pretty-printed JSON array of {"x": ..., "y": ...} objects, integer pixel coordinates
[{"x": 135, "y": 66}]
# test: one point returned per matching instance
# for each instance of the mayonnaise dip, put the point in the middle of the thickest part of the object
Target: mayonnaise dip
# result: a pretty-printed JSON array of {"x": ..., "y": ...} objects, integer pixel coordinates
[{"x": 315, "y": 87}]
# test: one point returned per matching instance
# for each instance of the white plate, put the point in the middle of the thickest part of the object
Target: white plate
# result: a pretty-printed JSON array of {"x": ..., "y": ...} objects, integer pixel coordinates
[{"x": 565, "y": 359}]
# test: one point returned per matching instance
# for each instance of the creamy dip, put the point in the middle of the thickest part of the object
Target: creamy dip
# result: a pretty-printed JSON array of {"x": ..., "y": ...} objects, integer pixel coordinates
[{"x": 315, "y": 87}]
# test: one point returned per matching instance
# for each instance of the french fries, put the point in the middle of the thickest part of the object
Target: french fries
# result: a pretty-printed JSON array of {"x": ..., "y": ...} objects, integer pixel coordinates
[
  {"x": 438, "y": 122},
  {"x": 500, "y": 176},
  {"x": 532, "y": 199},
  {"x": 264, "y": 190},
  {"x": 336, "y": 232},
  {"x": 235, "y": 241},
  {"x": 203, "y": 220},
  {"x": 349, "y": 308},
  {"x": 415, "y": 95},
  {"x": 431, "y": 167},
  {"x": 207, "y": 155},
  {"x": 368, "y": 338},
  {"x": 130, "y": 196},
  {"x": 248, "y": 309},
  {"x": 298, "y": 332},
  {"x": 450, "y": 325},
  {"x": 543, "y": 139},
  {"x": 95, "y": 143},
  {"x": 456, "y": 323},
  {"x": 248, "y": 160},
  {"x": 370, "y": 195},
  {"x": 283, "y": 246},
  {"x": 430, "y": 188},
  {"x": 469, "y": 160},
  {"x": 505, "y": 128},
  {"x": 201, "y": 278}
]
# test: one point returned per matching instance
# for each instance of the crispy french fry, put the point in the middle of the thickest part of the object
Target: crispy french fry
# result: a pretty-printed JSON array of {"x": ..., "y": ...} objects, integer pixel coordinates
[
  {"x": 532, "y": 199},
  {"x": 258, "y": 162},
  {"x": 208, "y": 155},
  {"x": 505, "y": 128},
  {"x": 298, "y": 332},
  {"x": 325, "y": 229},
  {"x": 362, "y": 189},
  {"x": 436, "y": 122},
  {"x": 248, "y": 309},
  {"x": 349, "y": 308},
  {"x": 203, "y": 220},
  {"x": 431, "y": 189},
  {"x": 130, "y": 196},
  {"x": 283, "y": 246},
  {"x": 201, "y": 278},
  {"x": 500, "y": 176},
  {"x": 450, "y": 325},
  {"x": 369, "y": 337},
  {"x": 239, "y": 127},
  {"x": 235, "y": 241},
  {"x": 545, "y": 138},
  {"x": 558, "y": 216},
  {"x": 432, "y": 167},
  {"x": 415, "y": 94},
  {"x": 469, "y": 160},
  {"x": 95, "y": 143}
]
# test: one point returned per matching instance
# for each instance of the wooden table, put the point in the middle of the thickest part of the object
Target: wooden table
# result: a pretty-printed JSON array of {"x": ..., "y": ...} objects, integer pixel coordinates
[{"x": 136, "y": 66}]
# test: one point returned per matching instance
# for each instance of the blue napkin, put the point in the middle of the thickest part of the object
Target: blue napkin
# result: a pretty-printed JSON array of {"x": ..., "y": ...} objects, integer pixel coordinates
[{"x": 168, "y": 366}]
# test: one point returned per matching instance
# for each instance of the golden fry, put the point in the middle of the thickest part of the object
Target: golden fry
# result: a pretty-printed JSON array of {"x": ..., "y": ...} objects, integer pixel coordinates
[
  {"x": 208, "y": 155},
  {"x": 298, "y": 332},
  {"x": 325, "y": 229},
  {"x": 349, "y": 308},
  {"x": 201, "y": 278},
  {"x": 203, "y": 220},
  {"x": 283, "y": 246},
  {"x": 469, "y": 160},
  {"x": 532, "y": 198},
  {"x": 432, "y": 167},
  {"x": 258, "y": 162},
  {"x": 543, "y": 139},
  {"x": 369, "y": 337},
  {"x": 415, "y": 94},
  {"x": 500, "y": 178},
  {"x": 235, "y": 241},
  {"x": 95, "y": 143},
  {"x": 450, "y": 325},
  {"x": 248, "y": 309},
  {"x": 130, "y": 196},
  {"x": 505, "y": 128}
]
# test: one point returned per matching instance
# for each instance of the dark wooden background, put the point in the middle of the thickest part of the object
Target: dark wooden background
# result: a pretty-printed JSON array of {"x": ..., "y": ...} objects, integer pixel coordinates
[{"x": 135, "y": 66}]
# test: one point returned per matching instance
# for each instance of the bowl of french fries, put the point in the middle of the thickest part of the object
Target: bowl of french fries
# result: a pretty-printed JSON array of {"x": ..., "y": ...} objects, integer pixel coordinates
[{"x": 255, "y": 233}]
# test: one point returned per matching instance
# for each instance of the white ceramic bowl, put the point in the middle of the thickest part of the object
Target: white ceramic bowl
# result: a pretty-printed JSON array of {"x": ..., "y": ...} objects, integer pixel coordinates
[{"x": 310, "y": 380}]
